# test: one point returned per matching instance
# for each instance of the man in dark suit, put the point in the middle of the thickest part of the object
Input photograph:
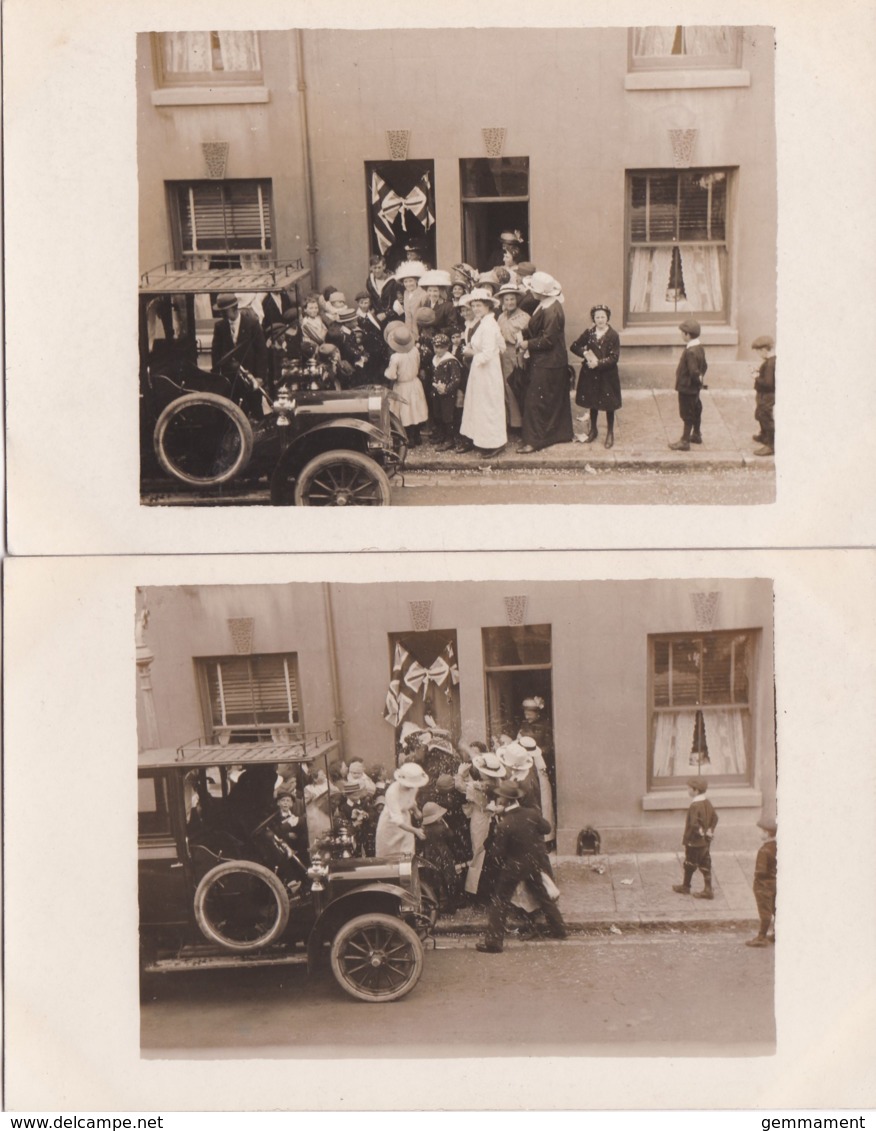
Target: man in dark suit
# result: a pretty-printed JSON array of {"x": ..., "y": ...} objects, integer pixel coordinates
[
  {"x": 239, "y": 343},
  {"x": 518, "y": 846}
]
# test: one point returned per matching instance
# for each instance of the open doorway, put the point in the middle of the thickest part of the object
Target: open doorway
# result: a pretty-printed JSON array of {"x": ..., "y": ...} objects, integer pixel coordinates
[
  {"x": 517, "y": 666},
  {"x": 495, "y": 198}
]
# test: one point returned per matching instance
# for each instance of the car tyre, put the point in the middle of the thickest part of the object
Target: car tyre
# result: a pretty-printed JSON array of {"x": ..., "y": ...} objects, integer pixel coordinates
[
  {"x": 377, "y": 958},
  {"x": 203, "y": 439},
  {"x": 242, "y": 906},
  {"x": 341, "y": 478}
]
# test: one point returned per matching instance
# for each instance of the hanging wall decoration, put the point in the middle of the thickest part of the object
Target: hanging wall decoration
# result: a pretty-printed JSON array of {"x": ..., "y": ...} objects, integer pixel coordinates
[{"x": 388, "y": 204}]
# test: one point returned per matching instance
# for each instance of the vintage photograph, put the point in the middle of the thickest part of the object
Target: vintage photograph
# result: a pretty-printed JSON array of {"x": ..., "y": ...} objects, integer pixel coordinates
[
  {"x": 391, "y": 818},
  {"x": 374, "y": 271}
]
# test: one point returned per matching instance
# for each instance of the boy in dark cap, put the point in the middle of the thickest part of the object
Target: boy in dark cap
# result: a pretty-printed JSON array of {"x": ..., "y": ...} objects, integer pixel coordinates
[
  {"x": 765, "y": 387},
  {"x": 699, "y": 828},
  {"x": 689, "y": 380},
  {"x": 765, "y": 884}
]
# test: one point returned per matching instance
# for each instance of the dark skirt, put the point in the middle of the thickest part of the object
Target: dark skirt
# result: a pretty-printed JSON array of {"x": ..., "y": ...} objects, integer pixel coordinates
[
  {"x": 599, "y": 388},
  {"x": 547, "y": 413}
]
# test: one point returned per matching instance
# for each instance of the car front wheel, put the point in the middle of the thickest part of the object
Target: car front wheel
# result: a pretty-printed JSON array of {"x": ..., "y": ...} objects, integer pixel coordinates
[
  {"x": 342, "y": 479},
  {"x": 377, "y": 958}
]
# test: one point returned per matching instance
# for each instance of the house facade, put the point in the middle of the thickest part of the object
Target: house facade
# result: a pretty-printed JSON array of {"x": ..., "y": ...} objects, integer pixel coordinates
[
  {"x": 643, "y": 683},
  {"x": 638, "y": 165}
]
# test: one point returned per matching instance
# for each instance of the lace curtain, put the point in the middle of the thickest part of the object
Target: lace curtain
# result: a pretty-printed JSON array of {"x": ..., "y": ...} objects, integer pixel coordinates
[
  {"x": 653, "y": 289},
  {"x": 653, "y": 42},
  {"x": 191, "y": 52},
  {"x": 724, "y": 734}
]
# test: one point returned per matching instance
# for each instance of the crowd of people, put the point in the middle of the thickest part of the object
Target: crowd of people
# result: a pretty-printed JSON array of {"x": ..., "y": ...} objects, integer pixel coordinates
[
  {"x": 480, "y": 358},
  {"x": 454, "y": 806}
]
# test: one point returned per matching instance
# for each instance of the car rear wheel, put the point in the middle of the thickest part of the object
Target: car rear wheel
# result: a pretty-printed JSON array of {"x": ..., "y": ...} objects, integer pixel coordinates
[
  {"x": 241, "y": 906},
  {"x": 203, "y": 439},
  {"x": 342, "y": 479},
  {"x": 377, "y": 958}
]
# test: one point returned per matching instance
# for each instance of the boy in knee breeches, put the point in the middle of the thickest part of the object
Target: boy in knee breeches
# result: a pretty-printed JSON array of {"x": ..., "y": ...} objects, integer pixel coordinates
[
  {"x": 699, "y": 828},
  {"x": 765, "y": 884},
  {"x": 765, "y": 388},
  {"x": 689, "y": 380}
]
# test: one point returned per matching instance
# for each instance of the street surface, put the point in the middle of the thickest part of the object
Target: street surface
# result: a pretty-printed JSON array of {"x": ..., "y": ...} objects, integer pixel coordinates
[
  {"x": 692, "y": 486},
  {"x": 669, "y": 992}
]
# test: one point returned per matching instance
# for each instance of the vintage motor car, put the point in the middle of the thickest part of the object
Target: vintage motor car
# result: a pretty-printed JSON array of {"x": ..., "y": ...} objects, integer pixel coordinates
[
  {"x": 204, "y": 428},
  {"x": 218, "y": 889}
]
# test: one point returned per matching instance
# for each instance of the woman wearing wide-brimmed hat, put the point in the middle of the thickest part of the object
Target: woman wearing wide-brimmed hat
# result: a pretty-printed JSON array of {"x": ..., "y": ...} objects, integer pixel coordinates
[
  {"x": 413, "y": 297},
  {"x": 547, "y": 411},
  {"x": 483, "y": 414},
  {"x": 598, "y": 381},
  {"x": 396, "y": 832}
]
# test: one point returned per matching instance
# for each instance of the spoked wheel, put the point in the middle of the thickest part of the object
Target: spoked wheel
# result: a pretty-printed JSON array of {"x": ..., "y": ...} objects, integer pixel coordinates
[
  {"x": 342, "y": 479},
  {"x": 241, "y": 906},
  {"x": 203, "y": 439},
  {"x": 377, "y": 958}
]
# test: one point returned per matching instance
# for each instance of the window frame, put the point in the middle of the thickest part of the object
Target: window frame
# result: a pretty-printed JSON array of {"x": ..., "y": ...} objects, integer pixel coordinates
[
  {"x": 179, "y": 219},
  {"x": 177, "y": 80},
  {"x": 658, "y": 318},
  {"x": 638, "y": 64},
  {"x": 658, "y": 784},
  {"x": 225, "y": 732}
]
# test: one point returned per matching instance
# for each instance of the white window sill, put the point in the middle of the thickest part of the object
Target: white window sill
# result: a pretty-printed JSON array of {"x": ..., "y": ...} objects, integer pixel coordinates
[
  {"x": 722, "y": 796},
  {"x": 668, "y": 335},
  {"x": 685, "y": 80},
  {"x": 209, "y": 95}
]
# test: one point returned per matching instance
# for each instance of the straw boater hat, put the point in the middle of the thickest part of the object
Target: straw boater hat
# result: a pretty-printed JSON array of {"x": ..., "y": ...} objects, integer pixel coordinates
[
  {"x": 479, "y": 294},
  {"x": 528, "y": 743},
  {"x": 399, "y": 338},
  {"x": 346, "y": 315},
  {"x": 508, "y": 289},
  {"x": 489, "y": 765},
  {"x": 410, "y": 269},
  {"x": 514, "y": 757},
  {"x": 436, "y": 279},
  {"x": 411, "y": 775},
  {"x": 432, "y": 812}
]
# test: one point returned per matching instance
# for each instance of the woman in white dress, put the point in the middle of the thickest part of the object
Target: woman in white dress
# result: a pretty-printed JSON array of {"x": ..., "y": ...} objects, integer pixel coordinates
[
  {"x": 396, "y": 833},
  {"x": 483, "y": 414}
]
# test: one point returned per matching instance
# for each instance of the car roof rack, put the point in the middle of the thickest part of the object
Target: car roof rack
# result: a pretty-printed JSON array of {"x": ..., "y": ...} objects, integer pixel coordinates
[
  {"x": 177, "y": 278},
  {"x": 311, "y": 745}
]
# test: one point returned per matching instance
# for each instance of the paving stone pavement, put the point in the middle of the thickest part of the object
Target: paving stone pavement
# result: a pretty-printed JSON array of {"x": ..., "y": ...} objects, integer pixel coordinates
[{"x": 634, "y": 891}]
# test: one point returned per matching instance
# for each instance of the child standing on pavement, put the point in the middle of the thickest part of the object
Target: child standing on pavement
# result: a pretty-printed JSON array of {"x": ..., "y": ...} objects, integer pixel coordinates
[
  {"x": 765, "y": 885},
  {"x": 446, "y": 380},
  {"x": 765, "y": 387},
  {"x": 403, "y": 372},
  {"x": 689, "y": 380},
  {"x": 699, "y": 828}
]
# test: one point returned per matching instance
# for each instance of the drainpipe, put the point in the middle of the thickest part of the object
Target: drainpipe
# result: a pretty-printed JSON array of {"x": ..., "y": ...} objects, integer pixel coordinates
[
  {"x": 312, "y": 247},
  {"x": 340, "y": 721}
]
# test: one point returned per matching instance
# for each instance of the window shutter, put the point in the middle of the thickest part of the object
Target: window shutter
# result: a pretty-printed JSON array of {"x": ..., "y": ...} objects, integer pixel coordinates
[
  {"x": 226, "y": 216},
  {"x": 253, "y": 691}
]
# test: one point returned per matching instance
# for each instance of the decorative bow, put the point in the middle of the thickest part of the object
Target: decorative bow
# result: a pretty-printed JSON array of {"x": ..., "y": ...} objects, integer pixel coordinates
[
  {"x": 397, "y": 704},
  {"x": 418, "y": 677},
  {"x": 390, "y": 205}
]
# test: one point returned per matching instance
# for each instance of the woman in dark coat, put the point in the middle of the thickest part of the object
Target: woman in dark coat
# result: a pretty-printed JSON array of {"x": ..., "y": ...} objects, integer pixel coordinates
[
  {"x": 598, "y": 381},
  {"x": 547, "y": 413}
]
